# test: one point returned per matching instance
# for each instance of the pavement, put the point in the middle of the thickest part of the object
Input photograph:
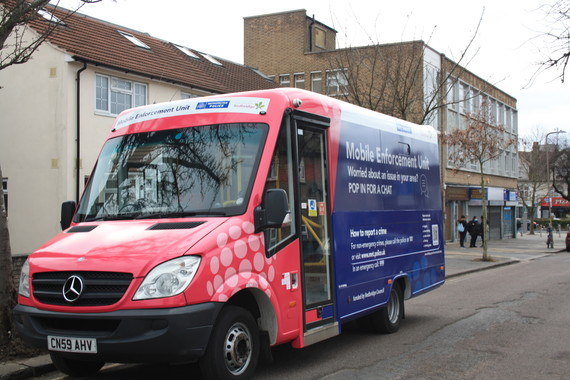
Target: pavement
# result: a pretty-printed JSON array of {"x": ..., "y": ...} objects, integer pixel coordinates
[{"x": 459, "y": 261}]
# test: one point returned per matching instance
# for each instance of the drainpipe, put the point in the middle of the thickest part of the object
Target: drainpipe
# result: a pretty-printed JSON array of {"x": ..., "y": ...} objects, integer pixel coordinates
[
  {"x": 78, "y": 132},
  {"x": 311, "y": 33}
]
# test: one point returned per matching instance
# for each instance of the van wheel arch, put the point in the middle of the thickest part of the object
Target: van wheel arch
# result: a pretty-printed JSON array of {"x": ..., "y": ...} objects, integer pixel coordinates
[{"x": 259, "y": 305}]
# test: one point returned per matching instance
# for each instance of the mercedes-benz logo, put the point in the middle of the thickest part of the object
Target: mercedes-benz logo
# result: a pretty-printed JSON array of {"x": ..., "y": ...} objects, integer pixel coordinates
[{"x": 73, "y": 288}]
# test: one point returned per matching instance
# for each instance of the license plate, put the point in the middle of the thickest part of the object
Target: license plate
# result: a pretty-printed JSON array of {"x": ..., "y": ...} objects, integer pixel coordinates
[{"x": 68, "y": 344}]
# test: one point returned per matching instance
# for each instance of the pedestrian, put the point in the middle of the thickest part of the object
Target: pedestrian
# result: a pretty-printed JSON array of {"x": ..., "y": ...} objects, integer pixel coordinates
[
  {"x": 549, "y": 238},
  {"x": 473, "y": 229},
  {"x": 462, "y": 229},
  {"x": 519, "y": 227}
]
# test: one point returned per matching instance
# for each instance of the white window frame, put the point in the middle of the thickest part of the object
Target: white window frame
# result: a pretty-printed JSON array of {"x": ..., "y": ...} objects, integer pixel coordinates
[
  {"x": 137, "y": 98},
  {"x": 187, "y": 95},
  {"x": 211, "y": 59},
  {"x": 317, "y": 81},
  {"x": 186, "y": 51},
  {"x": 337, "y": 82},
  {"x": 285, "y": 80},
  {"x": 451, "y": 95},
  {"x": 50, "y": 17},
  {"x": 501, "y": 114},
  {"x": 464, "y": 93},
  {"x": 133, "y": 39},
  {"x": 299, "y": 80}
]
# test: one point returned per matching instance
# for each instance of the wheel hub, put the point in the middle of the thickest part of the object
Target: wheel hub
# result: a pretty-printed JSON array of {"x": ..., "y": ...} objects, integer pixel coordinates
[{"x": 237, "y": 349}]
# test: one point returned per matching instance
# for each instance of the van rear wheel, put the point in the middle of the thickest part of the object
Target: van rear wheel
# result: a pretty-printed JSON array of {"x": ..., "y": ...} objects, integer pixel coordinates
[
  {"x": 233, "y": 350},
  {"x": 387, "y": 320},
  {"x": 74, "y": 367}
]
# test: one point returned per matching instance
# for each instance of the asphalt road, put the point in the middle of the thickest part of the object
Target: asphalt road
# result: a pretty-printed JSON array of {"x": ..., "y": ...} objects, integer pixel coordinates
[{"x": 509, "y": 322}]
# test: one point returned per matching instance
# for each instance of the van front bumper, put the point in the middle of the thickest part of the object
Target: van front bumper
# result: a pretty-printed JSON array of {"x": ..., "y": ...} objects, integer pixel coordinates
[{"x": 125, "y": 336}]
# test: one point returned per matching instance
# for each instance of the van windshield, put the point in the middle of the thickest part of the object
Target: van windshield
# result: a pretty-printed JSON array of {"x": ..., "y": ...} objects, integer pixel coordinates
[{"x": 197, "y": 171}]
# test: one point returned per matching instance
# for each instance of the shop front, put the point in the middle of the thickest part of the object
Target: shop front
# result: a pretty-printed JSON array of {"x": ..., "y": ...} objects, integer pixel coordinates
[{"x": 501, "y": 210}]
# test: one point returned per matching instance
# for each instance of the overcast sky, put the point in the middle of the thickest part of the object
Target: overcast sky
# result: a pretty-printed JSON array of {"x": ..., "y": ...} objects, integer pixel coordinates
[{"x": 505, "y": 51}]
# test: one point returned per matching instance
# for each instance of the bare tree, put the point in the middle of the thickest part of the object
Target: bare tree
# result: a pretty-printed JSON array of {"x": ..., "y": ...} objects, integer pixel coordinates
[
  {"x": 480, "y": 142},
  {"x": 17, "y": 47},
  {"x": 557, "y": 38},
  {"x": 533, "y": 183},
  {"x": 394, "y": 79},
  {"x": 6, "y": 285}
]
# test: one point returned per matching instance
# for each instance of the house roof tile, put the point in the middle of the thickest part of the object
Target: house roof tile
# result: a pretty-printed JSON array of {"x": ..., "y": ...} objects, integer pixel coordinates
[{"x": 99, "y": 42}]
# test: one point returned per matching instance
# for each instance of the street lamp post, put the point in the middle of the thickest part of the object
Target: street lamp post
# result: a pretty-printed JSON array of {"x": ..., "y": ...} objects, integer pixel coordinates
[{"x": 548, "y": 176}]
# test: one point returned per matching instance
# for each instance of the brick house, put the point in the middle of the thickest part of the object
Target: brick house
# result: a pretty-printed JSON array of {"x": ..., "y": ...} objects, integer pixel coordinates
[
  {"x": 58, "y": 108},
  {"x": 400, "y": 79}
]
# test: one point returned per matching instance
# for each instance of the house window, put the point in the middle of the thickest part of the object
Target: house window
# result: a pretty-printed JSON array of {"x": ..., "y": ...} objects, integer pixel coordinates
[
  {"x": 451, "y": 94},
  {"x": 501, "y": 114},
  {"x": 50, "y": 17},
  {"x": 493, "y": 112},
  {"x": 300, "y": 80},
  {"x": 5, "y": 193},
  {"x": 187, "y": 95},
  {"x": 317, "y": 82},
  {"x": 514, "y": 165},
  {"x": 134, "y": 40},
  {"x": 475, "y": 99},
  {"x": 211, "y": 59},
  {"x": 463, "y": 98},
  {"x": 320, "y": 38},
  {"x": 337, "y": 83},
  {"x": 114, "y": 95},
  {"x": 284, "y": 80},
  {"x": 186, "y": 51}
]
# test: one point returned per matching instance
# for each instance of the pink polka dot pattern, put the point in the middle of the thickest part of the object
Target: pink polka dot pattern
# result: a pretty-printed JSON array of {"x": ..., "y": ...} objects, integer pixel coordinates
[{"x": 241, "y": 263}]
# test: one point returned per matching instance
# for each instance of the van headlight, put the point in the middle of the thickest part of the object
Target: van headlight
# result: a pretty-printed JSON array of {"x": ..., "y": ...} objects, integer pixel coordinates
[
  {"x": 24, "y": 286},
  {"x": 169, "y": 278}
]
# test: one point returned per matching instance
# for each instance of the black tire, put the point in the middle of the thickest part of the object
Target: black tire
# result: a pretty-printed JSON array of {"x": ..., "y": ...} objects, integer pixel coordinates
[
  {"x": 74, "y": 367},
  {"x": 387, "y": 320},
  {"x": 233, "y": 350}
]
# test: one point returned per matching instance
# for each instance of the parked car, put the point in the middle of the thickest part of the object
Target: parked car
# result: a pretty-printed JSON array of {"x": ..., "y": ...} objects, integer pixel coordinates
[{"x": 568, "y": 241}]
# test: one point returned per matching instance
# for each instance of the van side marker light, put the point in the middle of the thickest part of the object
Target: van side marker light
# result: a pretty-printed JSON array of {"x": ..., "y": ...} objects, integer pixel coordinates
[{"x": 297, "y": 102}]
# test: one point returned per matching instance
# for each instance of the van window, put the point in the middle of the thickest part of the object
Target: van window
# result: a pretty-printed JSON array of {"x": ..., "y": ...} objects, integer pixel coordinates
[
  {"x": 281, "y": 176},
  {"x": 206, "y": 170}
]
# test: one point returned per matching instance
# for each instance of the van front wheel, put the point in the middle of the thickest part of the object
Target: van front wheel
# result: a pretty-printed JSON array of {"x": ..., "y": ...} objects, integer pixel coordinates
[{"x": 233, "y": 350}]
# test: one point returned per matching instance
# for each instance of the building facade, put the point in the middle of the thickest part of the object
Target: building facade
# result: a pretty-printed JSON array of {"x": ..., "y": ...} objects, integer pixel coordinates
[
  {"x": 58, "y": 108},
  {"x": 408, "y": 80}
]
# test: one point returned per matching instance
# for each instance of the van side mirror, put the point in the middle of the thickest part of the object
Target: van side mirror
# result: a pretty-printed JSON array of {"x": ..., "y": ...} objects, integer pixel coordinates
[
  {"x": 67, "y": 211},
  {"x": 273, "y": 211}
]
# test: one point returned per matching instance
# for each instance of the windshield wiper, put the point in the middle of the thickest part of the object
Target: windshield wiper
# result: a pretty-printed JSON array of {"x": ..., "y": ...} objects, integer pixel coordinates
[
  {"x": 111, "y": 217},
  {"x": 180, "y": 214}
]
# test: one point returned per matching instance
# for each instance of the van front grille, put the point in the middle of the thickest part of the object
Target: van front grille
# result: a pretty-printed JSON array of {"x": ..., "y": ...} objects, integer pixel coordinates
[{"x": 80, "y": 288}]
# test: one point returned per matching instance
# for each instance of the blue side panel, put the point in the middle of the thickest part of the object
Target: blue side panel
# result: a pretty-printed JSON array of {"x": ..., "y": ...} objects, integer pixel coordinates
[
  {"x": 387, "y": 219},
  {"x": 381, "y": 245}
]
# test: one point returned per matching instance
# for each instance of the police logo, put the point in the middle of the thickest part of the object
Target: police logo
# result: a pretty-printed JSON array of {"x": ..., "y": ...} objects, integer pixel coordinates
[{"x": 73, "y": 288}]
